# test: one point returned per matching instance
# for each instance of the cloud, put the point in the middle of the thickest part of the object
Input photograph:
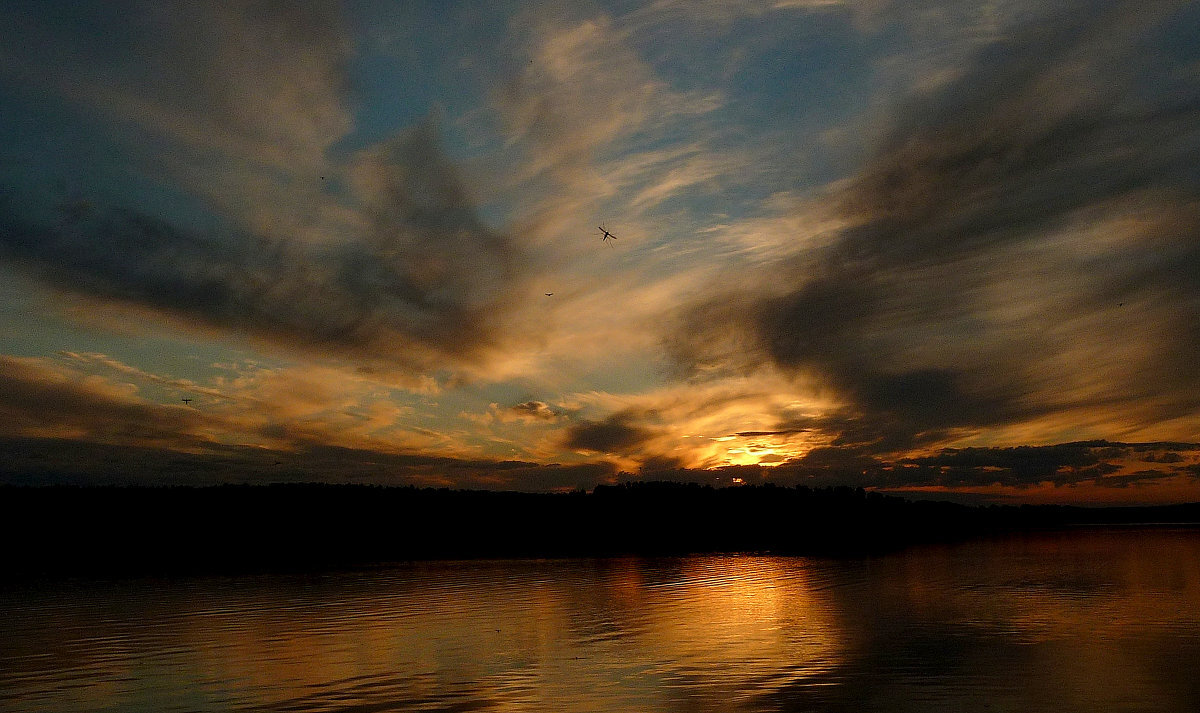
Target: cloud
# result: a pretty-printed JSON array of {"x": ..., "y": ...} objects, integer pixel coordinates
[
  {"x": 531, "y": 411},
  {"x": 1099, "y": 466},
  {"x": 1019, "y": 466},
  {"x": 422, "y": 282},
  {"x": 1102, "y": 463},
  {"x": 187, "y": 386},
  {"x": 592, "y": 125},
  {"x": 616, "y": 434},
  {"x": 582, "y": 89},
  {"x": 1168, "y": 457},
  {"x": 1140, "y": 478},
  {"x": 999, "y": 224},
  {"x": 39, "y": 400},
  {"x": 238, "y": 101},
  {"x": 44, "y": 461},
  {"x": 723, "y": 13},
  {"x": 97, "y": 398},
  {"x": 59, "y": 425},
  {"x": 781, "y": 432},
  {"x": 237, "y": 108}
]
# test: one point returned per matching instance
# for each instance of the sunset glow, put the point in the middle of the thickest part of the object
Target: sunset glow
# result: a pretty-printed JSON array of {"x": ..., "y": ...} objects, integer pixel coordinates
[{"x": 935, "y": 249}]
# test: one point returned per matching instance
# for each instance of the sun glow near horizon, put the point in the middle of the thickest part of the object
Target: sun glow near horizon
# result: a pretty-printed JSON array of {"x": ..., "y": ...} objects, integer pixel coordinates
[{"x": 900, "y": 246}]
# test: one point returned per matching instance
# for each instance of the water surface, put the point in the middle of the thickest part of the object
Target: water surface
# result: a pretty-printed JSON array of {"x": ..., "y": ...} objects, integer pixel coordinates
[{"x": 1088, "y": 620}]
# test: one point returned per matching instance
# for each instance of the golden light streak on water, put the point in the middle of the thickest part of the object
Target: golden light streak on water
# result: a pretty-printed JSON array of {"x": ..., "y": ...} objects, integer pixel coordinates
[{"x": 1077, "y": 621}]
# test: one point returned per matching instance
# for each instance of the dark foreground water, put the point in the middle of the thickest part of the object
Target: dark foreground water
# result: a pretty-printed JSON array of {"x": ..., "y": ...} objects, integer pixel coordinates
[{"x": 1079, "y": 621}]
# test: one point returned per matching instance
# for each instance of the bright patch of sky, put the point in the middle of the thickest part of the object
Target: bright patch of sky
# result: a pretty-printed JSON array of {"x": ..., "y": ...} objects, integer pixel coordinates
[{"x": 859, "y": 226}]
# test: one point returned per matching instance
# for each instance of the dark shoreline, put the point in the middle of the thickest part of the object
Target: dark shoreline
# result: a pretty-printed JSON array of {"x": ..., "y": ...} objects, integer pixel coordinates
[{"x": 117, "y": 531}]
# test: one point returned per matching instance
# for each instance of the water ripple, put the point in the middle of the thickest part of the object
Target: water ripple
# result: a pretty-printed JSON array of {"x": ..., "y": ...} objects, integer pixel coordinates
[{"x": 1011, "y": 625}]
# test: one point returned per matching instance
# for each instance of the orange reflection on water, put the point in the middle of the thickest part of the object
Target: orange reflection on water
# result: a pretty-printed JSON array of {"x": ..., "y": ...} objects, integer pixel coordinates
[
  {"x": 1089, "y": 620},
  {"x": 743, "y": 615},
  {"x": 624, "y": 634},
  {"x": 1082, "y": 616}
]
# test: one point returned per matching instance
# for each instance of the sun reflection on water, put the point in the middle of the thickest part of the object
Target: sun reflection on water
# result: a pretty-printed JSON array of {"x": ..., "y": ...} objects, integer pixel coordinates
[{"x": 1091, "y": 622}]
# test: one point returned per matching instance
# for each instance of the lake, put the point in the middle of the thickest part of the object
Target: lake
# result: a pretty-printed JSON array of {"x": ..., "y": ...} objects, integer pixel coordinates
[{"x": 1082, "y": 620}]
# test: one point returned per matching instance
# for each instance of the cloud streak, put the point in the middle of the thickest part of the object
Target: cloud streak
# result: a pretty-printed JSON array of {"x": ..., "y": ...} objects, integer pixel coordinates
[
  {"x": 241, "y": 104},
  {"x": 44, "y": 402},
  {"x": 425, "y": 280},
  {"x": 58, "y": 425},
  {"x": 63, "y": 426},
  {"x": 894, "y": 235},
  {"x": 927, "y": 315}
]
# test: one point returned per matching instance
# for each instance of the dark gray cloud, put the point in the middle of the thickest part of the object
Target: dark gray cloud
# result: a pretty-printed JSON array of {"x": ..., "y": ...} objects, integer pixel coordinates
[
  {"x": 36, "y": 400},
  {"x": 878, "y": 432},
  {"x": 423, "y": 280},
  {"x": 780, "y": 432},
  {"x": 925, "y": 314},
  {"x": 1023, "y": 462},
  {"x": 1019, "y": 467},
  {"x": 618, "y": 434},
  {"x": 50, "y": 461},
  {"x": 1139, "y": 478},
  {"x": 1098, "y": 462},
  {"x": 226, "y": 128},
  {"x": 1168, "y": 457},
  {"x": 238, "y": 101}
]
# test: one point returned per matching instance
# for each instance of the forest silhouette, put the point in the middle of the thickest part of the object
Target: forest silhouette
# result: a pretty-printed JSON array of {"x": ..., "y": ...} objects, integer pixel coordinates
[{"x": 67, "y": 530}]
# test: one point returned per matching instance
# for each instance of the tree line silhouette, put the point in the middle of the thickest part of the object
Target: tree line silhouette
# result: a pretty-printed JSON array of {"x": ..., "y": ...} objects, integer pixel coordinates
[{"x": 115, "y": 530}]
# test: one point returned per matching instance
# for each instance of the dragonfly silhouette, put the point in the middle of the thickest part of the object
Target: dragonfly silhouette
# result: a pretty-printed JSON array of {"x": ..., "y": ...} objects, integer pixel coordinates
[{"x": 607, "y": 234}]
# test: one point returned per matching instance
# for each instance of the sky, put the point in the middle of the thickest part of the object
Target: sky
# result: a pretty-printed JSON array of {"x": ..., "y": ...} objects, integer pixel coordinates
[{"x": 932, "y": 248}]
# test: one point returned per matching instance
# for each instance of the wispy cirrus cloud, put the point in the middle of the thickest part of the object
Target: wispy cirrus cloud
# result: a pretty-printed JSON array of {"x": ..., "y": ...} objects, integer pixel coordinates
[
  {"x": 60, "y": 424},
  {"x": 958, "y": 294},
  {"x": 41, "y": 461},
  {"x": 584, "y": 110},
  {"x": 278, "y": 407},
  {"x": 584, "y": 88},
  {"x": 41, "y": 400},
  {"x": 377, "y": 254},
  {"x": 411, "y": 291},
  {"x": 238, "y": 101}
]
